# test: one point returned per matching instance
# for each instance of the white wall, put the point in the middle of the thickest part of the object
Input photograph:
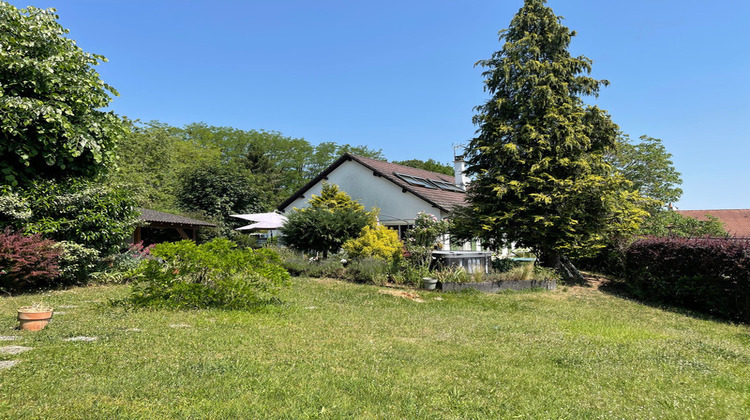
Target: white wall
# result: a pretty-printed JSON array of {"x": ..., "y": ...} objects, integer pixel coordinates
[{"x": 396, "y": 207}]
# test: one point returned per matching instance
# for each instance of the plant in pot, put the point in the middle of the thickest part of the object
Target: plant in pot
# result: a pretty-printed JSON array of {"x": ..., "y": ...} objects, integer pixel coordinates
[{"x": 34, "y": 317}]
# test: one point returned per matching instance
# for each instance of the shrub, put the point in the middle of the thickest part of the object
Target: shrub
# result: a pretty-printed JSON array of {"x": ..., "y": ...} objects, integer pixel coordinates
[
  {"x": 27, "y": 262},
  {"x": 369, "y": 270},
  {"x": 320, "y": 230},
  {"x": 300, "y": 265},
  {"x": 375, "y": 242},
  {"x": 428, "y": 230},
  {"x": 709, "y": 275},
  {"x": 215, "y": 274},
  {"x": 77, "y": 262},
  {"x": 75, "y": 210}
]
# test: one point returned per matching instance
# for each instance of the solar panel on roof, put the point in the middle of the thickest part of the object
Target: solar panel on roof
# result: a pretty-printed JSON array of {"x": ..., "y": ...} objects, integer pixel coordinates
[
  {"x": 416, "y": 180},
  {"x": 445, "y": 185}
]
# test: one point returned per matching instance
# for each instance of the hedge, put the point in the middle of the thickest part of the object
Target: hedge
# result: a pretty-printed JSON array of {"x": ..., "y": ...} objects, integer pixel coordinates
[{"x": 711, "y": 275}]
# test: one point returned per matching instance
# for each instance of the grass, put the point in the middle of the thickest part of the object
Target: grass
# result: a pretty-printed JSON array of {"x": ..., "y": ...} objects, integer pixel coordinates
[{"x": 341, "y": 350}]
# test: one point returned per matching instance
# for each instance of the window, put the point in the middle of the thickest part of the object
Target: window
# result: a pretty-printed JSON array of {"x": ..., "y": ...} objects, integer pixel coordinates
[
  {"x": 445, "y": 185},
  {"x": 416, "y": 180}
]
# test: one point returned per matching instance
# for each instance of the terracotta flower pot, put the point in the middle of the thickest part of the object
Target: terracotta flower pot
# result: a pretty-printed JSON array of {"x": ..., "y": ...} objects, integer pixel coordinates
[{"x": 34, "y": 320}]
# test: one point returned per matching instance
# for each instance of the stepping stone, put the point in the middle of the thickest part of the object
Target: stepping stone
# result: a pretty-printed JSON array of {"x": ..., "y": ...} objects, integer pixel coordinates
[
  {"x": 14, "y": 349},
  {"x": 9, "y": 337},
  {"x": 58, "y": 313},
  {"x": 81, "y": 338},
  {"x": 311, "y": 307},
  {"x": 67, "y": 306},
  {"x": 134, "y": 329},
  {"x": 7, "y": 364},
  {"x": 180, "y": 325}
]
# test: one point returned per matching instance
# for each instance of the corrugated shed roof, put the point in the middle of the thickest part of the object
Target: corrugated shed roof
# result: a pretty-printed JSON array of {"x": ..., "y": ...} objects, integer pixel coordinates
[
  {"x": 736, "y": 221},
  {"x": 154, "y": 216},
  {"x": 444, "y": 200}
]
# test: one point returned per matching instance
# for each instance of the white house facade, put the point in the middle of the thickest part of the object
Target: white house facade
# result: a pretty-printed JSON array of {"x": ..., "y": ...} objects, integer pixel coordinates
[{"x": 400, "y": 192}]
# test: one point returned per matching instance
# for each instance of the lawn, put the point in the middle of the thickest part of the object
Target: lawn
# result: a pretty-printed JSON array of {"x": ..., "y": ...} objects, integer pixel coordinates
[{"x": 341, "y": 350}]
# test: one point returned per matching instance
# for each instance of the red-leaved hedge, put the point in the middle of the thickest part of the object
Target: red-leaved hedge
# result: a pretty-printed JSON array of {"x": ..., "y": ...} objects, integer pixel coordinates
[
  {"x": 710, "y": 275},
  {"x": 27, "y": 262}
]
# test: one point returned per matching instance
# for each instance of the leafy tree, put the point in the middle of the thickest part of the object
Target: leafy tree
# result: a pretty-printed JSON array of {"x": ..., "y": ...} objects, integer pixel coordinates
[
  {"x": 671, "y": 223},
  {"x": 51, "y": 124},
  {"x": 332, "y": 198},
  {"x": 648, "y": 166},
  {"x": 150, "y": 160},
  {"x": 218, "y": 191},
  {"x": 540, "y": 177},
  {"x": 322, "y": 230},
  {"x": 331, "y": 220},
  {"x": 428, "y": 165}
]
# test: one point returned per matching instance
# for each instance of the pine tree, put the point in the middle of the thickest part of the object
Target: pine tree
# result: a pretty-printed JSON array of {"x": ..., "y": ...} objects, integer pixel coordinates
[{"x": 540, "y": 177}]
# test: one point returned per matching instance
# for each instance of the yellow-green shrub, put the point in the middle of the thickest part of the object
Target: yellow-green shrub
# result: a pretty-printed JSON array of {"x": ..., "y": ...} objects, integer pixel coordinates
[{"x": 376, "y": 242}]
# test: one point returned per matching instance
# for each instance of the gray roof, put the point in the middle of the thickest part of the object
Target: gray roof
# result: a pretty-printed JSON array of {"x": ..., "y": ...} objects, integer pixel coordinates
[{"x": 153, "y": 216}]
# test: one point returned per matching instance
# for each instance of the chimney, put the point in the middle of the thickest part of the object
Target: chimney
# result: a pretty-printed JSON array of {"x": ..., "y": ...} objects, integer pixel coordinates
[{"x": 459, "y": 166}]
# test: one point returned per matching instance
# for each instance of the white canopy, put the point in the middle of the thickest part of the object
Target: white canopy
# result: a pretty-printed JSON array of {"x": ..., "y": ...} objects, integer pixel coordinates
[{"x": 267, "y": 221}]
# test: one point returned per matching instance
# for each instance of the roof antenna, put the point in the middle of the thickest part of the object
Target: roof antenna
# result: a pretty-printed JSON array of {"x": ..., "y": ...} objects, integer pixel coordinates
[{"x": 461, "y": 146}]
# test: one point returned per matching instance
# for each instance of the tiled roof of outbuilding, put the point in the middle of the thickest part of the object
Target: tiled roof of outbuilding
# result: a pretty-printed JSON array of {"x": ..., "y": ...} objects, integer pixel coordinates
[
  {"x": 736, "y": 221},
  {"x": 442, "y": 199},
  {"x": 153, "y": 216}
]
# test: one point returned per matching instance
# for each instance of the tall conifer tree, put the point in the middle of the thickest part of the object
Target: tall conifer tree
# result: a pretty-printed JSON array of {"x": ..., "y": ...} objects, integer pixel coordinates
[{"x": 540, "y": 177}]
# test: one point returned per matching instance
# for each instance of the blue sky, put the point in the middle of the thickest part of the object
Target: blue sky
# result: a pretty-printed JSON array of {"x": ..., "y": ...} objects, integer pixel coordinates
[{"x": 399, "y": 75}]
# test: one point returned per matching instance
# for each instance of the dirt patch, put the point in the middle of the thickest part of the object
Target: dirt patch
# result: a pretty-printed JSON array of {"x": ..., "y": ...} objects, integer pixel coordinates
[{"x": 403, "y": 294}]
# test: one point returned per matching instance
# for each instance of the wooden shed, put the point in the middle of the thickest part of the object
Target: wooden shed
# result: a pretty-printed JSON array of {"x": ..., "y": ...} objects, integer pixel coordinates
[{"x": 166, "y": 227}]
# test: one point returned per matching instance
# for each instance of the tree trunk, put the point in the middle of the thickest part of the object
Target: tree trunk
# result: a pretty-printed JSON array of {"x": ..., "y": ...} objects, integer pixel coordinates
[{"x": 561, "y": 264}]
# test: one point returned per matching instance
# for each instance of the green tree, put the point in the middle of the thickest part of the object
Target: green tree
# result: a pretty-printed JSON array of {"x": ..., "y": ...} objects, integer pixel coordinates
[
  {"x": 150, "y": 160},
  {"x": 648, "y": 166},
  {"x": 51, "y": 122},
  {"x": 540, "y": 177},
  {"x": 331, "y": 220},
  {"x": 671, "y": 223},
  {"x": 428, "y": 165},
  {"x": 99, "y": 217},
  {"x": 219, "y": 191}
]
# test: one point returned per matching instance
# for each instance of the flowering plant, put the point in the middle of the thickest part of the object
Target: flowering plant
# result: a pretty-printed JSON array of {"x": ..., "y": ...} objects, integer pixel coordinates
[{"x": 428, "y": 229}]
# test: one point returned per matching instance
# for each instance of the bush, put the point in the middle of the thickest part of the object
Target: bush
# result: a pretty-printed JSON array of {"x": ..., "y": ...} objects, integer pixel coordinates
[
  {"x": 375, "y": 242},
  {"x": 75, "y": 210},
  {"x": 709, "y": 275},
  {"x": 300, "y": 265},
  {"x": 369, "y": 270},
  {"x": 319, "y": 230},
  {"x": 77, "y": 262},
  {"x": 27, "y": 262},
  {"x": 184, "y": 275}
]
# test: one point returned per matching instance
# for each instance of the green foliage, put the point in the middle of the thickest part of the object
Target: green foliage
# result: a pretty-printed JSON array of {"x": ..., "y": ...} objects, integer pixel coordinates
[
  {"x": 540, "y": 177},
  {"x": 218, "y": 192},
  {"x": 428, "y": 165},
  {"x": 77, "y": 262},
  {"x": 76, "y": 210},
  {"x": 321, "y": 230},
  {"x": 332, "y": 219},
  {"x": 298, "y": 264},
  {"x": 369, "y": 270},
  {"x": 649, "y": 168},
  {"x": 671, "y": 223},
  {"x": 51, "y": 124},
  {"x": 332, "y": 198},
  {"x": 184, "y": 275},
  {"x": 428, "y": 230},
  {"x": 378, "y": 242},
  {"x": 151, "y": 160}
]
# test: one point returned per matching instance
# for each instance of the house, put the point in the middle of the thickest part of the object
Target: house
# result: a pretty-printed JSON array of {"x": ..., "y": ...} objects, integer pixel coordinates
[
  {"x": 400, "y": 192},
  {"x": 736, "y": 222},
  {"x": 165, "y": 227}
]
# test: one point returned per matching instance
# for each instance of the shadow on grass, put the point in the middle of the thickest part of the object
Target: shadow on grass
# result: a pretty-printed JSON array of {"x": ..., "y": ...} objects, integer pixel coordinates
[{"x": 618, "y": 287}]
